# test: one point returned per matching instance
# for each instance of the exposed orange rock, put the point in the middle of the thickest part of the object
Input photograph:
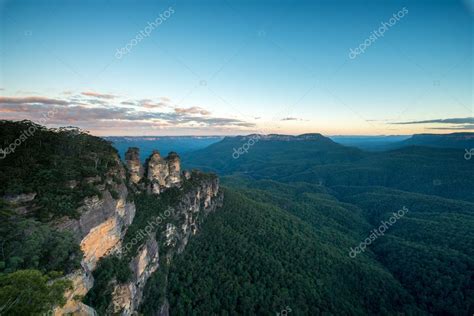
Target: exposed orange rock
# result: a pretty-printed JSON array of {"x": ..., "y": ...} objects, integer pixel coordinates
[{"x": 100, "y": 241}]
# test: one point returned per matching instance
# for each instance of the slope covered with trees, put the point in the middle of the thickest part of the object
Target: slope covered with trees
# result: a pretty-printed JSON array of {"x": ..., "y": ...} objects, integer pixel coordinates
[
  {"x": 256, "y": 258},
  {"x": 45, "y": 174},
  {"x": 339, "y": 195}
]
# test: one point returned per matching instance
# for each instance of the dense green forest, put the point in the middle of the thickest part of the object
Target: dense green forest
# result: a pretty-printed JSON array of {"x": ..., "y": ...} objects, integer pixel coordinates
[
  {"x": 423, "y": 263},
  {"x": 426, "y": 273},
  {"x": 256, "y": 258},
  {"x": 60, "y": 167},
  {"x": 443, "y": 172}
]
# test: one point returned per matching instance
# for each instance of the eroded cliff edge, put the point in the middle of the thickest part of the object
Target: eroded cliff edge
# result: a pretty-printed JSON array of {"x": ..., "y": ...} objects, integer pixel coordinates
[
  {"x": 95, "y": 232},
  {"x": 99, "y": 229},
  {"x": 155, "y": 210}
]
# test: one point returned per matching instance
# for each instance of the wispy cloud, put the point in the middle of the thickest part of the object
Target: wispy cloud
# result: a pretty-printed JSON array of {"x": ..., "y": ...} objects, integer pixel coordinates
[
  {"x": 192, "y": 110},
  {"x": 31, "y": 100},
  {"x": 462, "y": 127},
  {"x": 464, "y": 120},
  {"x": 99, "y": 95},
  {"x": 150, "y": 104},
  {"x": 290, "y": 119}
]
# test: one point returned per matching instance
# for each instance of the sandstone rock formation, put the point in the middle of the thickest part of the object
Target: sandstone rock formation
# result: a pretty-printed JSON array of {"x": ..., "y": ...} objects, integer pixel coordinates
[
  {"x": 99, "y": 230},
  {"x": 103, "y": 223},
  {"x": 132, "y": 158},
  {"x": 163, "y": 173},
  {"x": 127, "y": 297},
  {"x": 183, "y": 221}
]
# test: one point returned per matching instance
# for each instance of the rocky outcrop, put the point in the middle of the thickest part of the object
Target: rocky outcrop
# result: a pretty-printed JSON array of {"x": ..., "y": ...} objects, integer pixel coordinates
[
  {"x": 103, "y": 222},
  {"x": 126, "y": 298},
  {"x": 19, "y": 198},
  {"x": 183, "y": 220},
  {"x": 163, "y": 173},
  {"x": 191, "y": 210},
  {"x": 99, "y": 230},
  {"x": 174, "y": 166},
  {"x": 135, "y": 169}
]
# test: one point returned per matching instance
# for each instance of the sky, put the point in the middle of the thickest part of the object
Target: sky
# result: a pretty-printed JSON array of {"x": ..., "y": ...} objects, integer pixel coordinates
[{"x": 239, "y": 67}]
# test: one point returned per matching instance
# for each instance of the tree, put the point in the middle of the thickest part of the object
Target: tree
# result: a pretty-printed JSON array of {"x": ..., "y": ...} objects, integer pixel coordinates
[{"x": 29, "y": 292}]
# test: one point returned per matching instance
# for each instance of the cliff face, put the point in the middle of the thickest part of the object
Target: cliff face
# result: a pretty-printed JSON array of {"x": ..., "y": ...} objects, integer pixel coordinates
[
  {"x": 182, "y": 220},
  {"x": 103, "y": 222},
  {"x": 126, "y": 298},
  {"x": 99, "y": 230}
]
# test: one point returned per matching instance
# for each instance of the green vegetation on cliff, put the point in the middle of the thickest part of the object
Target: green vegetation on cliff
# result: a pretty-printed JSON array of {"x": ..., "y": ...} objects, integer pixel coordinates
[
  {"x": 29, "y": 292},
  {"x": 60, "y": 165}
]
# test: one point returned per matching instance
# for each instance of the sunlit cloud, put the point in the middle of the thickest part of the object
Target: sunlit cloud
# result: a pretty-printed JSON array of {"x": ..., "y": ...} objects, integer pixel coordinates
[
  {"x": 192, "y": 110},
  {"x": 31, "y": 100},
  {"x": 105, "y": 114},
  {"x": 291, "y": 119},
  {"x": 464, "y": 120},
  {"x": 99, "y": 95}
]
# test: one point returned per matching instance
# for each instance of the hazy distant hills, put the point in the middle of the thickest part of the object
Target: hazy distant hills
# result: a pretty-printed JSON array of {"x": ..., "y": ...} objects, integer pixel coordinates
[
  {"x": 380, "y": 143},
  {"x": 454, "y": 140},
  {"x": 371, "y": 143},
  {"x": 186, "y": 144},
  {"x": 165, "y": 144},
  {"x": 317, "y": 159}
]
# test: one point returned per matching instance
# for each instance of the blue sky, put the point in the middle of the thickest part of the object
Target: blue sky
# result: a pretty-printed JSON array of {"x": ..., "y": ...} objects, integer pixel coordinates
[{"x": 236, "y": 67}]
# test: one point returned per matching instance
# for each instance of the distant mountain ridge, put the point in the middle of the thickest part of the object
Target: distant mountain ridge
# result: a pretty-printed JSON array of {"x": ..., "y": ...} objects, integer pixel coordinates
[
  {"x": 281, "y": 137},
  {"x": 381, "y": 143},
  {"x": 180, "y": 144},
  {"x": 453, "y": 140},
  {"x": 315, "y": 158}
]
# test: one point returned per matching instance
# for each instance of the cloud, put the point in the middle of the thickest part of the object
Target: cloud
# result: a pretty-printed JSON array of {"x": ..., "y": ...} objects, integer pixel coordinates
[
  {"x": 99, "y": 95},
  {"x": 31, "y": 100},
  {"x": 149, "y": 104},
  {"x": 192, "y": 110},
  {"x": 463, "y": 127},
  {"x": 92, "y": 114},
  {"x": 291, "y": 119},
  {"x": 465, "y": 120}
]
